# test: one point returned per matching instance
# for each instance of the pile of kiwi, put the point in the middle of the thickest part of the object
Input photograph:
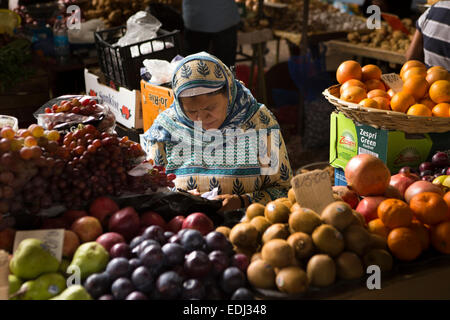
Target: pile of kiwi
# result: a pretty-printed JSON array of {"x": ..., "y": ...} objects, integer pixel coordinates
[{"x": 292, "y": 248}]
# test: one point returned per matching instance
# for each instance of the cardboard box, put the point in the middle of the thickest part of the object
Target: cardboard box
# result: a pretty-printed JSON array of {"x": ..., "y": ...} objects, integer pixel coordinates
[
  {"x": 155, "y": 99},
  {"x": 124, "y": 103},
  {"x": 396, "y": 148}
]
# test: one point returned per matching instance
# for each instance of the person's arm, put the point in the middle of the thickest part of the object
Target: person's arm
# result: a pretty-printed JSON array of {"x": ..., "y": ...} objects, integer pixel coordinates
[
  {"x": 157, "y": 152},
  {"x": 415, "y": 50}
]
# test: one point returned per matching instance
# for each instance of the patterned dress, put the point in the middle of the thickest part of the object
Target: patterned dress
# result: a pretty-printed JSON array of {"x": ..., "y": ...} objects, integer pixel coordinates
[{"x": 246, "y": 156}]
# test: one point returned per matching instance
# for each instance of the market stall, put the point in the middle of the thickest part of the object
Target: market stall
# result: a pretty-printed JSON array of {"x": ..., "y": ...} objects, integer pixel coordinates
[{"x": 81, "y": 198}]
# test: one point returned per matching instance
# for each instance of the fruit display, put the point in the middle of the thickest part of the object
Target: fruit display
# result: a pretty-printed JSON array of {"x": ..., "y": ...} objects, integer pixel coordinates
[
  {"x": 40, "y": 168},
  {"x": 425, "y": 92},
  {"x": 385, "y": 37},
  {"x": 120, "y": 254},
  {"x": 294, "y": 249},
  {"x": 69, "y": 111}
]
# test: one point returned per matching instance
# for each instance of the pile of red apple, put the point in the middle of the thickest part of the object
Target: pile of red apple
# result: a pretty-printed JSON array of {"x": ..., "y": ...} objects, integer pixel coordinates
[{"x": 370, "y": 182}]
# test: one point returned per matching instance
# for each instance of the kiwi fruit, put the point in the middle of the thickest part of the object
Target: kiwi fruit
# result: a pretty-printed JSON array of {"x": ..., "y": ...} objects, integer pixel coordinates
[
  {"x": 276, "y": 212},
  {"x": 256, "y": 256},
  {"x": 295, "y": 207},
  {"x": 302, "y": 244},
  {"x": 359, "y": 219},
  {"x": 291, "y": 196},
  {"x": 321, "y": 270},
  {"x": 278, "y": 253},
  {"x": 339, "y": 214},
  {"x": 260, "y": 223},
  {"x": 327, "y": 239},
  {"x": 284, "y": 201},
  {"x": 380, "y": 258},
  {"x": 244, "y": 235},
  {"x": 275, "y": 231},
  {"x": 260, "y": 274},
  {"x": 304, "y": 220},
  {"x": 224, "y": 230},
  {"x": 254, "y": 210},
  {"x": 376, "y": 242},
  {"x": 292, "y": 280},
  {"x": 356, "y": 239},
  {"x": 349, "y": 266}
]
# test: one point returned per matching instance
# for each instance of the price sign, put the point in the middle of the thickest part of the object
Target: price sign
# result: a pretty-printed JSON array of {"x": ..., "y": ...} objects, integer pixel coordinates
[
  {"x": 4, "y": 272},
  {"x": 393, "y": 81},
  {"x": 313, "y": 190},
  {"x": 53, "y": 239}
]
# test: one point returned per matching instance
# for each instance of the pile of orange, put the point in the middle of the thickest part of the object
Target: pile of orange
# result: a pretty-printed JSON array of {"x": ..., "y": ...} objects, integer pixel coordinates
[
  {"x": 411, "y": 229},
  {"x": 425, "y": 92}
]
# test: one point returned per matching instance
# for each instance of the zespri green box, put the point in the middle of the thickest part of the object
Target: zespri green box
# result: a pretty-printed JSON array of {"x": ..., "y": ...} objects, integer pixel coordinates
[{"x": 396, "y": 148}]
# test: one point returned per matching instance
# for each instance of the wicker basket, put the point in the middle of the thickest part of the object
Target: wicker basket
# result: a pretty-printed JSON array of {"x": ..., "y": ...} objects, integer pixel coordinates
[{"x": 383, "y": 119}]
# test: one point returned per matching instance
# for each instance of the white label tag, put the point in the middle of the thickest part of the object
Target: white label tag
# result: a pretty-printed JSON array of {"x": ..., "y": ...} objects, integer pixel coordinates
[
  {"x": 313, "y": 190},
  {"x": 393, "y": 81},
  {"x": 4, "y": 272},
  {"x": 52, "y": 238}
]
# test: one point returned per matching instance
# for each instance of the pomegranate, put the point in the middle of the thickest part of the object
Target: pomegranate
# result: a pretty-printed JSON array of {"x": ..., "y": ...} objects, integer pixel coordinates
[
  {"x": 419, "y": 187},
  {"x": 126, "y": 222},
  {"x": 368, "y": 206},
  {"x": 392, "y": 192},
  {"x": 198, "y": 221},
  {"x": 367, "y": 175},
  {"x": 107, "y": 240},
  {"x": 151, "y": 218},
  {"x": 175, "y": 224},
  {"x": 401, "y": 181},
  {"x": 102, "y": 208},
  {"x": 349, "y": 196}
]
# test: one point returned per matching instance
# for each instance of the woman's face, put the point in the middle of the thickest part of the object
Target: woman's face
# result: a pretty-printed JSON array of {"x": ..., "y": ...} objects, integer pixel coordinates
[{"x": 210, "y": 109}]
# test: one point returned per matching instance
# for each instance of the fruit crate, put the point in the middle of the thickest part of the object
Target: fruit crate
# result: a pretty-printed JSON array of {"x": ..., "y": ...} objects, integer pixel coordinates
[{"x": 121, "y": 65}]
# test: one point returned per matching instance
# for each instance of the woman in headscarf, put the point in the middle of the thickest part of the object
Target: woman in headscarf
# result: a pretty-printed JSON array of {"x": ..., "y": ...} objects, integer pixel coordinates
[{"x": 216, "y": 135}]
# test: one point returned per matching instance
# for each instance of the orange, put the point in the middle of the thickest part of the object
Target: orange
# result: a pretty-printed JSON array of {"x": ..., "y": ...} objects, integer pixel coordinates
[
  {"x": 411, "y": 64},
  {"x": 416, "y": 71},
  {"x": 378, "y": 93},
  {"x": 369, "y": 103},
  {"x": 391, "y": 93},
  {"x": 447, "y": 200},
  {"x": 440, "y": 91},
  {"x": 429, "y": 208},
  {"x": 348, "y": 70},
  {"x": 423, "y": 232},
  {"x": 431, "y": 69},
  {"x": 441, "y": 110},
  {"x": 371, "y": 71},
  {"x": 376, "y": 226},
  {"x": 437, "y": 74},
  {"x": 428, "y": 102},
  {"x": 373, "y": 84},
  {"x": 419, "y": 110},
  {"x": 353, "y": 94},
  {"x": 383, "y": 103},
  {"x": 416, "y": 86},
  {"x": 401, "y": 101},
  {"x": 351, "y": 83},
  {"x": 440, "y": 237},
  {"x": 394, "y": 213},
  {"x": 404, "y": 244}
]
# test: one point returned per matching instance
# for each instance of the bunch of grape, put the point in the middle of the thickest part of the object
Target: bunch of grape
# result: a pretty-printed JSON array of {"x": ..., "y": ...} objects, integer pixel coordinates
[
  {"x": 29, "y": 160},
  {"x": 163, "y": 265},
  {"x": 84, "y": 106},
  {"x": 40, "y": 168}
]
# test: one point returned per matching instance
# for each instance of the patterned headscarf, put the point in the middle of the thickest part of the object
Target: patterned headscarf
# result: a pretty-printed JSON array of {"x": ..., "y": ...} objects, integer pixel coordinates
[{"x": 202, "y": 70}]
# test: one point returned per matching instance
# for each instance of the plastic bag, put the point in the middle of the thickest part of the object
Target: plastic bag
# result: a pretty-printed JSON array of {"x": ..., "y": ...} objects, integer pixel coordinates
[
  {"x": 103, "y": 118},
  {"x": 161, "y": 71},
  {"x": 140, "y": 27},
  {"x": 85, "y": 34}
]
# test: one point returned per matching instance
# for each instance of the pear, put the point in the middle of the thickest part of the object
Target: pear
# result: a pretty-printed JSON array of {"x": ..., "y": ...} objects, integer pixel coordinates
[
  {"x": 90, "y": 258},
  {"x": 32, "y": 259},
  {"x": 14, "y": 284},
  {"x": 44, "y": 287},
  {"x": 74, "y": 292},
  {"x": 64, "y": 265}
]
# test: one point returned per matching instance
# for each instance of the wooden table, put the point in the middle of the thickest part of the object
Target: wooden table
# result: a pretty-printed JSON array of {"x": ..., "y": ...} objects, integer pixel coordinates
[{"x": 365, "y": 51}]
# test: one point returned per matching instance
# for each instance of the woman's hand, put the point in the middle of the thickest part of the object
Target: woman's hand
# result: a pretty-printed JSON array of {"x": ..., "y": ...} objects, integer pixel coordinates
[{"x": 229, "y": 202}]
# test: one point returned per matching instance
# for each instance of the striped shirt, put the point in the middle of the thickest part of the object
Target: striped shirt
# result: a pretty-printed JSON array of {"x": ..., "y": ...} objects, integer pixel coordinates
[{"x": 434, "y": 24}]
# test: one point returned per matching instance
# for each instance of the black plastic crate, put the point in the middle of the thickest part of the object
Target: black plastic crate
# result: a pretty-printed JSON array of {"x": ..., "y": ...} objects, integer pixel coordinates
[{"x": 122, "y": 65}]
